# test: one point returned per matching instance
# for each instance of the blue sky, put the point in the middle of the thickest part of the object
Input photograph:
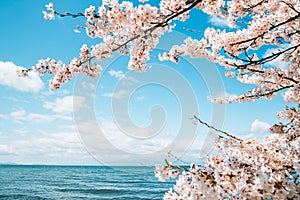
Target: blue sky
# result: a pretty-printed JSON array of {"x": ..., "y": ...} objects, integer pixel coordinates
[{"x": 120, "y": 118}]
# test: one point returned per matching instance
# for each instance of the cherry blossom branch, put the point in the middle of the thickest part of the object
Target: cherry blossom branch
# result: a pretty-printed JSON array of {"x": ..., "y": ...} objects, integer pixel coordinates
[
  {"x": 218, "y": 130},
  {"x": 264, "y": 60},
  {"x": 265, "y": 32},
  {"x": 170, "y": 154},
  {"x": 63, "y": 73},
  {"x": 255, "y": 96},
  {"x": 255, "y": 5},
  {"x": 67, "y": 14},
  {"x": 160, "y": 24},
  {"x": 291, "y": 6}
]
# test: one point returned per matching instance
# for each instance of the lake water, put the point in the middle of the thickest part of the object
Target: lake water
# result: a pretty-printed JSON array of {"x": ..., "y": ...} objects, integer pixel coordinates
[{"x": 80, "y": 182}]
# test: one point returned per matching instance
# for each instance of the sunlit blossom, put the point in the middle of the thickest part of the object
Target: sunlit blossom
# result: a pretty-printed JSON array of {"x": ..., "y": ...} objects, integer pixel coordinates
[{"x": 245, "y": 169}]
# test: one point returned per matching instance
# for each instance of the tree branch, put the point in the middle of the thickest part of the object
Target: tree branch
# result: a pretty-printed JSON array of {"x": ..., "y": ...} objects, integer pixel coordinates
[
  {"x": 218, "y": 130},
  {"x": 262, "y": 34}
]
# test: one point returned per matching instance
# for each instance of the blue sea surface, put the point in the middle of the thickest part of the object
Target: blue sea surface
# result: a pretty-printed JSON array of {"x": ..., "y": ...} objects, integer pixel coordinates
[{"x": 80, "y": 182}]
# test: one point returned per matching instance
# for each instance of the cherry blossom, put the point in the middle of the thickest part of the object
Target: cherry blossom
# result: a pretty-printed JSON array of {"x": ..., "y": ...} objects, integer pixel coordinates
[
  {"x": 49, "y": 15},
  {"x": 244, "y": 168}
]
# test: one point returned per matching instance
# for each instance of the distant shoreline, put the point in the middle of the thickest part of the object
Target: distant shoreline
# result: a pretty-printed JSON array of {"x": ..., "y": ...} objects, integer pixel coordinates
[{"x": 70, "y": 165}]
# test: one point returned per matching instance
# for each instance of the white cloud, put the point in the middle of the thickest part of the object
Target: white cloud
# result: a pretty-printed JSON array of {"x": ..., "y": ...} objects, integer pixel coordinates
[
  {"x": 4, "y": 117},
  {"x": 117, "y": 95},
  {"x": 87, "y": 85},
  {"x": 65, "y": 92},
  {"x": 9, "y": 77},
  {"x": 65, "y": 104},
  {"x": 259, "y": 126},
  {"x": 218, "y": 21},
  {"x": 47, "y": 93},
  {"x": 22, "y": 131},
  {"x": 278, "y": 61},
  {"x": 125, "y": 80},
  {"x": 21, "y": 115},
  {"x": 130, "y": 81},
  {"x": 47, "y": 148},
  {"x": 131, "y": 146},
  {"x": 124, "y": 144},
  {"x": 38, "y": 118},
  {"x": 117, "y": 74},
  {"x": 18, "y": 100},
  {"x": 63, "y": 147},
  {"x": 62, "y": 117},
  {"x": 6, "y": 150},
  {"x": 18, "y": 114}
]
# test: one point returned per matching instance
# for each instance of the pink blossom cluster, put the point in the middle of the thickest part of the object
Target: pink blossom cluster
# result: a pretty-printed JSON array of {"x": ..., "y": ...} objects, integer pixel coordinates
[
  {"x": 123, "y": 28},
  {"x": 269, "y": 24},
  {"x": 244, "y": 169},
  {"x": 248, "y": 169},
  {"x": 63, "y": 73}
]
